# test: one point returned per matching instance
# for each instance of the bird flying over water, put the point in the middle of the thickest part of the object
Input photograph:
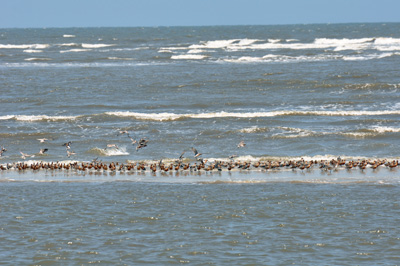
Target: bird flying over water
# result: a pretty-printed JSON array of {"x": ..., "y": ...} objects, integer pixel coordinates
[
  {"x": 2, "y": 150},
  {"x": 24, "y": 155},
  {"x": 121, "y": 132},
  {"x": 42, "y": 140},
  {"x": 132, "y": 140},
  {"x": 196, "y": 153},
  {"x": 68, "y": 145},
  {"x": 42, "y": 151},
  {"x": 112, "y": 146},
  {"x": 241, "y": 144},
  {"x": 141, "y": 144},
  {"x": 69, "y": 153}
]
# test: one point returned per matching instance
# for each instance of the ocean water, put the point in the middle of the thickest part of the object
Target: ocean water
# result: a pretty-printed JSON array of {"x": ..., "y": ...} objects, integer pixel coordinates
[{"x": 289, "y": 92}]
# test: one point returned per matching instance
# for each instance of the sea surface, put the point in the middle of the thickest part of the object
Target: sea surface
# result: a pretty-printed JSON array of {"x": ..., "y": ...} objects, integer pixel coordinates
[{"x": 315, "y": 92}]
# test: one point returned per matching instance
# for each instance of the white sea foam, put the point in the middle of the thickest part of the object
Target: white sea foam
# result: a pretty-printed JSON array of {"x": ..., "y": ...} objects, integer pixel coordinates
[
  {"x": 32, "y": 51},
  {"x": 382, "y": 129},
  {"x": 173, "y": 116},
  {"x": 111, "y": 151},
  {"x": 358, "y": 135},
  {"x": 303, "y": 58},
  {"x": 75, "y": 50},
  {"x": 24, "y": 46},
  {"x": 34, "y": 118},
  {"x": 119, "y": 58},
  {"x": 274, "y": 40},
  {"x": 69, "y": 44},
  {"x": 196, "y": 51},
  {"x": 214, "y": 44},
  {"x": 68, "y": 36},
  {"x": 189, "y": 56},
  {"x": 253, "y": 129},
  {"x": 357, "y": 44},
  {"x": 37, "y": 59},
  {"x": 93, "y": 46}
]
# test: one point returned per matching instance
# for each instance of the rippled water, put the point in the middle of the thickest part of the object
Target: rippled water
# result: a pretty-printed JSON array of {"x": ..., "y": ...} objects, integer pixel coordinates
[
  {"x": 130, "y": 223},
  {"x": 289, "y": 92}
]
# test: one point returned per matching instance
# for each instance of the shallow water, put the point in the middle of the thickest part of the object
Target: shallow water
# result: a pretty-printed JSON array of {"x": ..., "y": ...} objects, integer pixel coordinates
[{"x": 125, "y": 223}]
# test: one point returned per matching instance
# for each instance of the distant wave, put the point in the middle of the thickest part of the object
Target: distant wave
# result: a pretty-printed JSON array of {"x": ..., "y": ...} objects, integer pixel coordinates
[
  {"x": 173, "y": 116},
  {"x": 35, "y": 118},
  {"x": 32, "y": 51},
  {"x": 44, "y": 46},
  {"x": 37, "y": 59},
  {"x": 93, "y": 46},
  {"x": 303, "y": 58},
  {"x": 68, "y": 36},
  {"x": 164, "y": 116},
  {"x": 24, "y": 46},
  {"x": 378, "y": 43},
  {"x": 75, "y": 50},
  {"x": 189, "y": 56}
]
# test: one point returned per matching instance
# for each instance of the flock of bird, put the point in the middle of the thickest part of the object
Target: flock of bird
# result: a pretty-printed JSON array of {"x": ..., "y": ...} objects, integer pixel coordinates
[
  {"x": 199, "y": 164},
  {"x": 140, "y": 144}
]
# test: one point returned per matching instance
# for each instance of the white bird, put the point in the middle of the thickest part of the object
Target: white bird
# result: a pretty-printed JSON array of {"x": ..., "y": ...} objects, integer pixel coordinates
[
  {"x": 121, "y": 132},
  {"x": 42, "y": 140},
  {"x": 42, "y": 151},
  {"x": 241, "y": 144},
  {"x": 69, "y": 153},
  {"x": 112, "y": 146},
  {"x": 24, "y": 155}
]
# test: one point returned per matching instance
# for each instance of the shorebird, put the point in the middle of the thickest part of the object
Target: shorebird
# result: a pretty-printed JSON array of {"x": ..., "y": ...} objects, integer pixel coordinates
[
  {"x": 69, "y": 153},
  {"x": 42, "y": 140},
  {"x": 232, "y": 156},
  {"x": 121, "y": 132},
  {"x": 180, "y": 159},
  {"x": 42, "y": 151},
  {"x": 24, "y": 155},
  {"x": 196, "y": 153},
  {"x": 2, "y": 150},
  {"x": 141, "y": 144},
  {"x": 112, "y": 146},
  {"x": 132, "y": 140},
  {"x": 68, "y": 145},
  {"x": 241, "y": 144}
]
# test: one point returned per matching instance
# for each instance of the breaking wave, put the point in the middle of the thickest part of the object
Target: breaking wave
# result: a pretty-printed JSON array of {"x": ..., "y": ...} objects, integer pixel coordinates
[
  {"x": 173, "y": 116},
  {"x": 165, "y": 116}
]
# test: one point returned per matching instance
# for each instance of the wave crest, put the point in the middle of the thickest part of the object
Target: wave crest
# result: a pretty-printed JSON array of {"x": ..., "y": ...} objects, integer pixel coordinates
[
  {"x": 35, "y": 118},
  {"x": 172, "y": 116}
]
